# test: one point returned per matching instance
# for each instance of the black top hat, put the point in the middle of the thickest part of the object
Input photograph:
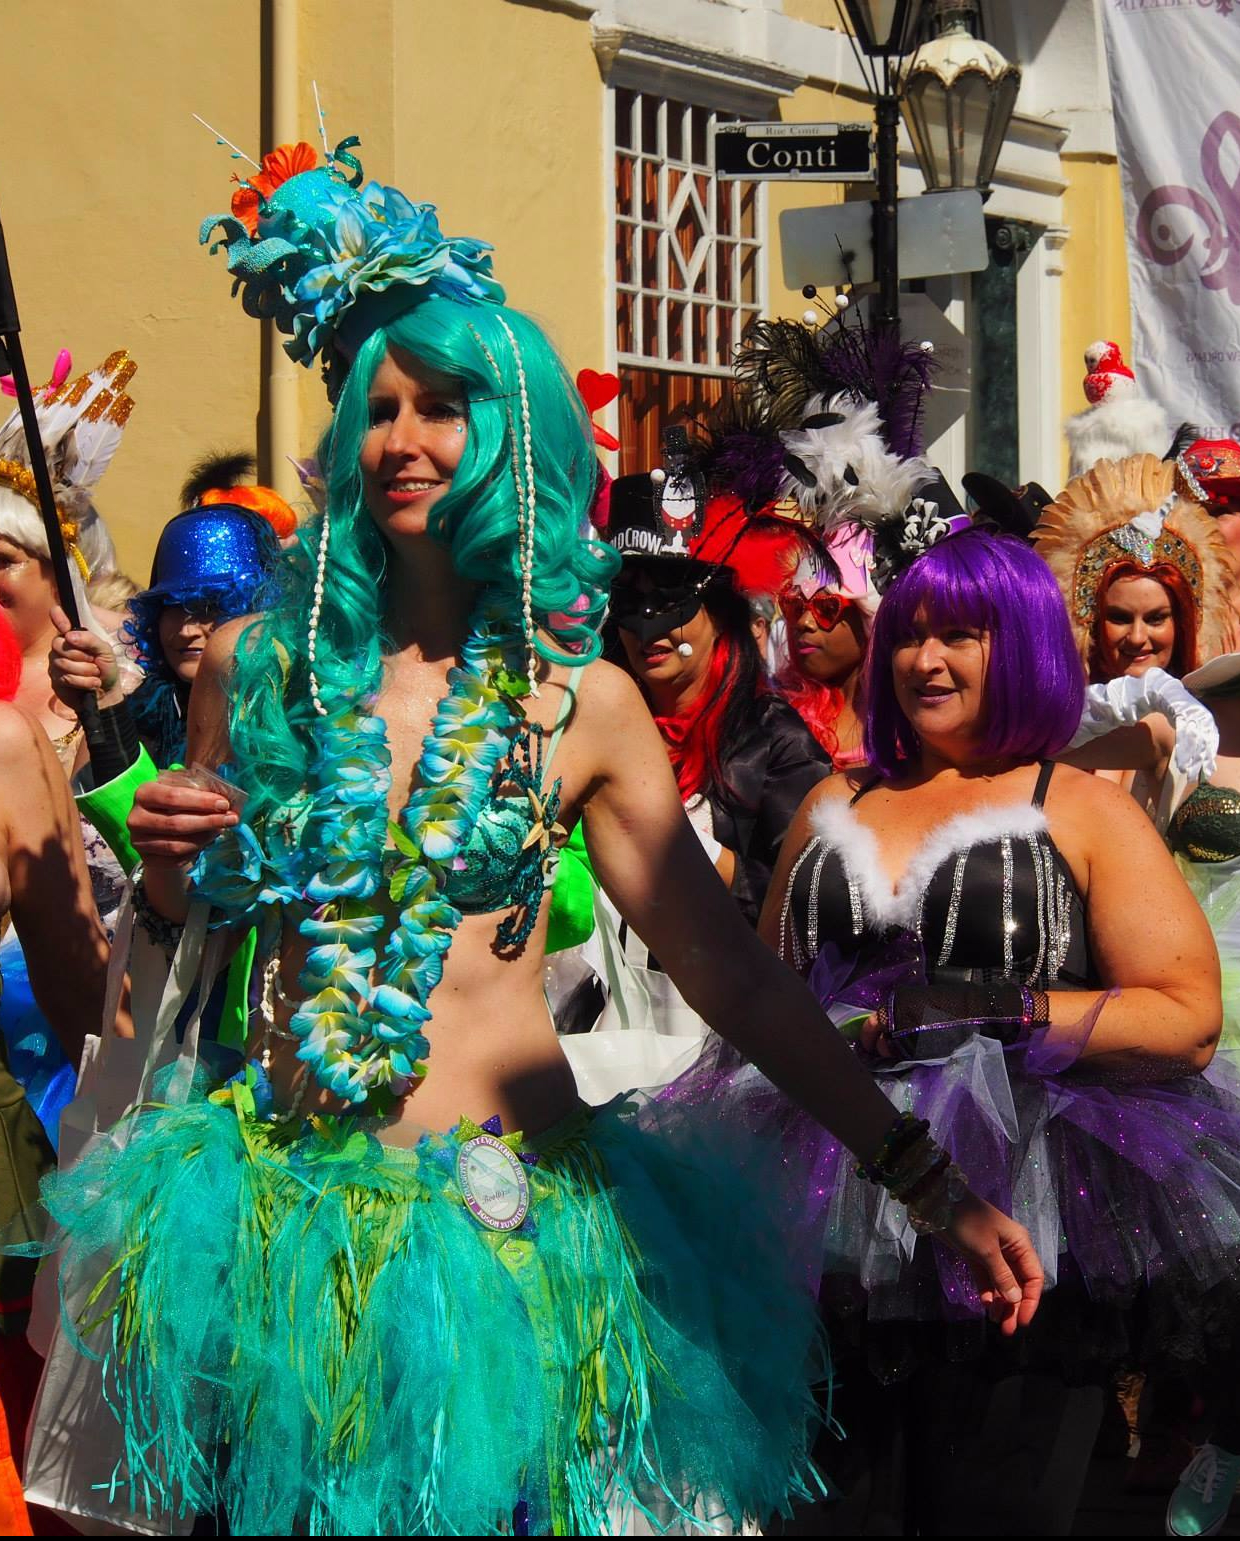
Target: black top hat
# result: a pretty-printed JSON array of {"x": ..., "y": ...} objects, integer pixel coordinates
[
  {"x": 659, "y": 513},
  {"x": 1016, "y": 510}
]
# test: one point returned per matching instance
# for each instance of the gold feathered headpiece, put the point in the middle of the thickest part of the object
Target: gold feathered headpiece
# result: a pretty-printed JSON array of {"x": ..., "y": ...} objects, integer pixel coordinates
[{"x": 1131, "y": 511}]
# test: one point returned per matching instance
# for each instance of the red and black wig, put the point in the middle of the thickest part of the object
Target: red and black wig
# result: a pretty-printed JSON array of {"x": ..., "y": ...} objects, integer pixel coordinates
[{"x": 702, "y": 738}]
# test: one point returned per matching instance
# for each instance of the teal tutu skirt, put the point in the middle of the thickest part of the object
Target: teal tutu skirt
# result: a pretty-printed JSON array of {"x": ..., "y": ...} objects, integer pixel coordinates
[{"x": 313, "y": 1334}]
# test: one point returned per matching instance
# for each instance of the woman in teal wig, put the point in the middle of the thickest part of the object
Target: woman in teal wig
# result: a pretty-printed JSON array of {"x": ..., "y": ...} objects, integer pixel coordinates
[{"x": 395, "y": 1279}]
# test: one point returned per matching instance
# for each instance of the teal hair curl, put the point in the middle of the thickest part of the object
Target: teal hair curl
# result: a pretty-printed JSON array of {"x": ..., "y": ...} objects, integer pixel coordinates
[{"x": 272, "y": 718}]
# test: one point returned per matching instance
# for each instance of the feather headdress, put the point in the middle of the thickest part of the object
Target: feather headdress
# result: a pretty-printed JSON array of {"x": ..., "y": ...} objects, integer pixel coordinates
[
  {"x": 845, "y": 399},
  {"x": 1129, "y": 511},
  {"x": 829, "y": 417},
  {"x": 80, "y": 423}
]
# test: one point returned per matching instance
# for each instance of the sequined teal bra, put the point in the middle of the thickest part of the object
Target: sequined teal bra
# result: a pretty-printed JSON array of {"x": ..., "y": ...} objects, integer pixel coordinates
[{"x": 510, "y": 859}]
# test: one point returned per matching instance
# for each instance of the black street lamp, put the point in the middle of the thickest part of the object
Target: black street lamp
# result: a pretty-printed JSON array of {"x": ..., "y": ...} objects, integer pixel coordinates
[
  {"x": 881, "y": 27},
  {"x": 881, "y": 32}
]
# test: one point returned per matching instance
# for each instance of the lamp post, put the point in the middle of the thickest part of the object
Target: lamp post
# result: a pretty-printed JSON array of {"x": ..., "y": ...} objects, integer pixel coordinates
[
  {"x": 958, "y": 96},
  {"x": 881, "y": 31}
]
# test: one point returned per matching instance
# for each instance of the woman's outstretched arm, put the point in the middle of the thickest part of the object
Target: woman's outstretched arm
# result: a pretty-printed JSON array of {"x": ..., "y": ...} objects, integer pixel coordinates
[{"x": 656, "y": 873}]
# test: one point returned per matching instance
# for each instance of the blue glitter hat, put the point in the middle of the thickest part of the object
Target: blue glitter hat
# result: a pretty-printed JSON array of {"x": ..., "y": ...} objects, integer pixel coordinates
[
  {"x": 329, "y": 260},
  {"x": 211, "y": 551}
]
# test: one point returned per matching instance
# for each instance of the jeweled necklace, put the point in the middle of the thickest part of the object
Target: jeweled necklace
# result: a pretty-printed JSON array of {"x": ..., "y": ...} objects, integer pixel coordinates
[{"x": 358, "y": 1038}]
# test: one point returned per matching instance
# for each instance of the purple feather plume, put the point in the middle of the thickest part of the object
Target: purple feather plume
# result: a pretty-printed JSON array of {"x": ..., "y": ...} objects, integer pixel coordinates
[
  {"x": 751, "y": 465},
  {"x": 877, "y": 364}
]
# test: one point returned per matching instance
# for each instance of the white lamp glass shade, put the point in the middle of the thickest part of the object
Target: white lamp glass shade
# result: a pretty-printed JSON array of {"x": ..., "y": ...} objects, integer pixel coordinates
[{"x": 957, "y": 110}]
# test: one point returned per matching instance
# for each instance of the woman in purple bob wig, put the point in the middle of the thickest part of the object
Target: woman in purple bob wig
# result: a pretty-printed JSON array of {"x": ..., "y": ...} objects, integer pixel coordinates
[
  {"x": 967, "y": 911},
  {"x": 1034, "y": 686}
]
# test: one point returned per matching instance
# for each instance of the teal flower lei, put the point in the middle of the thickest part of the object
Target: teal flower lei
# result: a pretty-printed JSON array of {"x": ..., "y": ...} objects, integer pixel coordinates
[{"x": 360, "y": 1038}]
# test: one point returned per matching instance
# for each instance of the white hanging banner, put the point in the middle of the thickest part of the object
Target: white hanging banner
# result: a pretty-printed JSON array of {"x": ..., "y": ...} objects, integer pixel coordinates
[{"x": 1174, "y": 67}]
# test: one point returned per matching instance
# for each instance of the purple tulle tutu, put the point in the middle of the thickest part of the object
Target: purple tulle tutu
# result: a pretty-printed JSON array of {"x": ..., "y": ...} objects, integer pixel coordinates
[{"x": 1130, "y": 1191}]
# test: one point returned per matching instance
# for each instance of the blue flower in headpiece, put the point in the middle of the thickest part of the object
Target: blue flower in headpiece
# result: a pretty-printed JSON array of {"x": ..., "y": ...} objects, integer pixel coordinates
[
  {"x": 377, "y": 242},
  {"x": 314, "y": 253}
]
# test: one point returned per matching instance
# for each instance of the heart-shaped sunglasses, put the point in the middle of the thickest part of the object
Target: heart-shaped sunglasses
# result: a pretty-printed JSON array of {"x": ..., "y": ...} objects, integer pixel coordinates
[{"x": 828, "y": 610}]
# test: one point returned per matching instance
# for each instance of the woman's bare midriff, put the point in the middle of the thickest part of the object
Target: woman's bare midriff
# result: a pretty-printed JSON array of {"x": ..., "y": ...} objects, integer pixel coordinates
[{"x": 493, "y": 1049}]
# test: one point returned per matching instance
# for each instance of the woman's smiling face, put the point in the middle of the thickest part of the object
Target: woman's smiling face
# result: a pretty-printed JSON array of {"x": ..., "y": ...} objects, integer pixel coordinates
[
  {"x": 417, "y": 433},
  {"x": 1135, "y": 629},
  {"x": 939, "y": 674}
]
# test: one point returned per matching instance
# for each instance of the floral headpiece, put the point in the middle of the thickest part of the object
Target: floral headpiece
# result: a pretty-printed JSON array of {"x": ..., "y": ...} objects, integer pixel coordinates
[
  {"x": 329, "y": 260},
  {"x": 899, "y": 541}
]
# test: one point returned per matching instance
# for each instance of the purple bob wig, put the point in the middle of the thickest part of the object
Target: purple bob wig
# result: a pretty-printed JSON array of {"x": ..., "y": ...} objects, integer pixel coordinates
[{"x": 1035, "y": 685}]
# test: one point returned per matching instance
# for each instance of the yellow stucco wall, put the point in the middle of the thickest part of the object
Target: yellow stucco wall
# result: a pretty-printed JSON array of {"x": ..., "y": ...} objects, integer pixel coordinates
[
  {"x": 1094, "y": 301},
  {"x": 493, "y": 111},
  {"x": 819, "y": 13},
  {"x": 104, "y": 178},
  {"x": 490, "y": 109},
  {"x": 507, "y": 139}
]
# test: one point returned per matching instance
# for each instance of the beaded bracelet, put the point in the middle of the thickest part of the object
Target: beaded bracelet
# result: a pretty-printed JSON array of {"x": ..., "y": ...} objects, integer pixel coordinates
[
  {"x": 165, "y": 933},
  {"x": 931, "y": 1206},
  {"x": 903, "y": 1133},
  {"x": 918, "y": 1173}
]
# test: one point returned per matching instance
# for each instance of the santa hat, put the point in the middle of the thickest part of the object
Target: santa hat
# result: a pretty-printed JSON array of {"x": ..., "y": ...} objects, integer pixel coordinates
[{"x": 1119, "y": 420}]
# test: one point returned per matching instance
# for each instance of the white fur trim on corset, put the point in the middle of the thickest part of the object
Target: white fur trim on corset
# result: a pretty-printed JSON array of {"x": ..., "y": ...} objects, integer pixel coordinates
[
  {"x": 1114, "y": 430},
  {"x": 884, "y": 484},
  {"x": 839, "y": 829}
]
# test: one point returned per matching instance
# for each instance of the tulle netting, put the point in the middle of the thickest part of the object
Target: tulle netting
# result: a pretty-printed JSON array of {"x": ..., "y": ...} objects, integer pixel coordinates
[
  {"x": 313, "y": 1333},
  {"x": 1130, "y": 1191}
]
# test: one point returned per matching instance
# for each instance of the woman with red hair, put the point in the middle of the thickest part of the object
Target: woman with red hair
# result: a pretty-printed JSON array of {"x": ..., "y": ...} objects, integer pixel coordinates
[
  {"x": 827, "y": 605},
  {"x": 1144, "y": 619},
  {"x": 1148, "y": 579},
  {"x": 742, "y": 757}
]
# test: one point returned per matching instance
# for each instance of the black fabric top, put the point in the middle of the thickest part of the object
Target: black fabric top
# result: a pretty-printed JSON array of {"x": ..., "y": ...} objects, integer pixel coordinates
[
  {"x": 999, "y": 904},
  {"x": 767, "y": 778}
]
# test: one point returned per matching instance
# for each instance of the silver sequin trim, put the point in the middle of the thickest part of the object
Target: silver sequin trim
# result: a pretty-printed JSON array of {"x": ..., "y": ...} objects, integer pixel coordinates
[
  {"x": 854, "y": 899},
  {"x": 790, "y": 949},
  {"x": 1036, "y": 860},
  {"x": 1009, "y": 920},
  {"x": 953, "y": 909},
  {"x": 811, "y": 920}
]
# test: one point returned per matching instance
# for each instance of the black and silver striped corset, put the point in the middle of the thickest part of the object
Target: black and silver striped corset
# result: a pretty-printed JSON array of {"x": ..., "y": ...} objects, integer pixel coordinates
[{"x": 988, "y": 894}]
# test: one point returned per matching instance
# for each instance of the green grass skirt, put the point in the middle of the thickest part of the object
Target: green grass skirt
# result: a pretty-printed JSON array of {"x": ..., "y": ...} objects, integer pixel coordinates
[{"x": 314, "y": 1334}]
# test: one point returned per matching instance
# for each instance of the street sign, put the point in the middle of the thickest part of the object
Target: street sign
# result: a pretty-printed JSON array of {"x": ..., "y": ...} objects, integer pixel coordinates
[
  {"x": 938, "y": 233},
  {"x": 951, "y": 384},
  {"x": 795, "y": 152}
]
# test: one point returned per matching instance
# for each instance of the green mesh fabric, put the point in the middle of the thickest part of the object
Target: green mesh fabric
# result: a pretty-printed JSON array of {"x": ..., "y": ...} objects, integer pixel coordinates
[{"x": 315, "y": 1335}]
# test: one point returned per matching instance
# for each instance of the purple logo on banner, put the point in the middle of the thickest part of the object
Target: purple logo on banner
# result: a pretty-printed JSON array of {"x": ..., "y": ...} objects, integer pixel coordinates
[{"x": 1166, "y": 245}]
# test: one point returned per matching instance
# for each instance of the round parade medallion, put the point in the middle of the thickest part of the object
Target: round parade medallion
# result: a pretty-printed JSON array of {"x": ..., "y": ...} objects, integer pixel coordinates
[{"x": 492, "y": 1183}]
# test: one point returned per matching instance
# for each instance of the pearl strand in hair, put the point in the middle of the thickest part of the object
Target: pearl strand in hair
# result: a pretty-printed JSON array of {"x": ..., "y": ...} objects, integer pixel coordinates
[
  {"x": 316, "y": 609},
  {"x": 526, "y": 536},
  {"x": 526, "y": 497}
]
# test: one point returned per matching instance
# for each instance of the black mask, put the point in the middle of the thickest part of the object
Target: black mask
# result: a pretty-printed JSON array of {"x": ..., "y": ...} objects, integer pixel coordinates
[{"x": 670, "y": 598}]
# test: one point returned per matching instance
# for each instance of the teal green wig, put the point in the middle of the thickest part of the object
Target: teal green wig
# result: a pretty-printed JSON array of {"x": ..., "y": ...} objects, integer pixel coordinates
[{"x": 272, "y": 716}]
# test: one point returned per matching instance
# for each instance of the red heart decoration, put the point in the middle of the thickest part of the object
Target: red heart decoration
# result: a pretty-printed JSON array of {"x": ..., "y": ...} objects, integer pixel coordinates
[{"x": 597, "y": 390}]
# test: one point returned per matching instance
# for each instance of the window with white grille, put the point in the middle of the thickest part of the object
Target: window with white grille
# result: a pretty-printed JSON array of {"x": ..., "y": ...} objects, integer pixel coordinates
[{"x": 689, "y": 252}]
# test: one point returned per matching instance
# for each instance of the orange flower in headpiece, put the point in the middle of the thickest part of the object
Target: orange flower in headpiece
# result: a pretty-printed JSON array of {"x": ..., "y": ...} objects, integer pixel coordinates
[{"x": 279, "y": 165}]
